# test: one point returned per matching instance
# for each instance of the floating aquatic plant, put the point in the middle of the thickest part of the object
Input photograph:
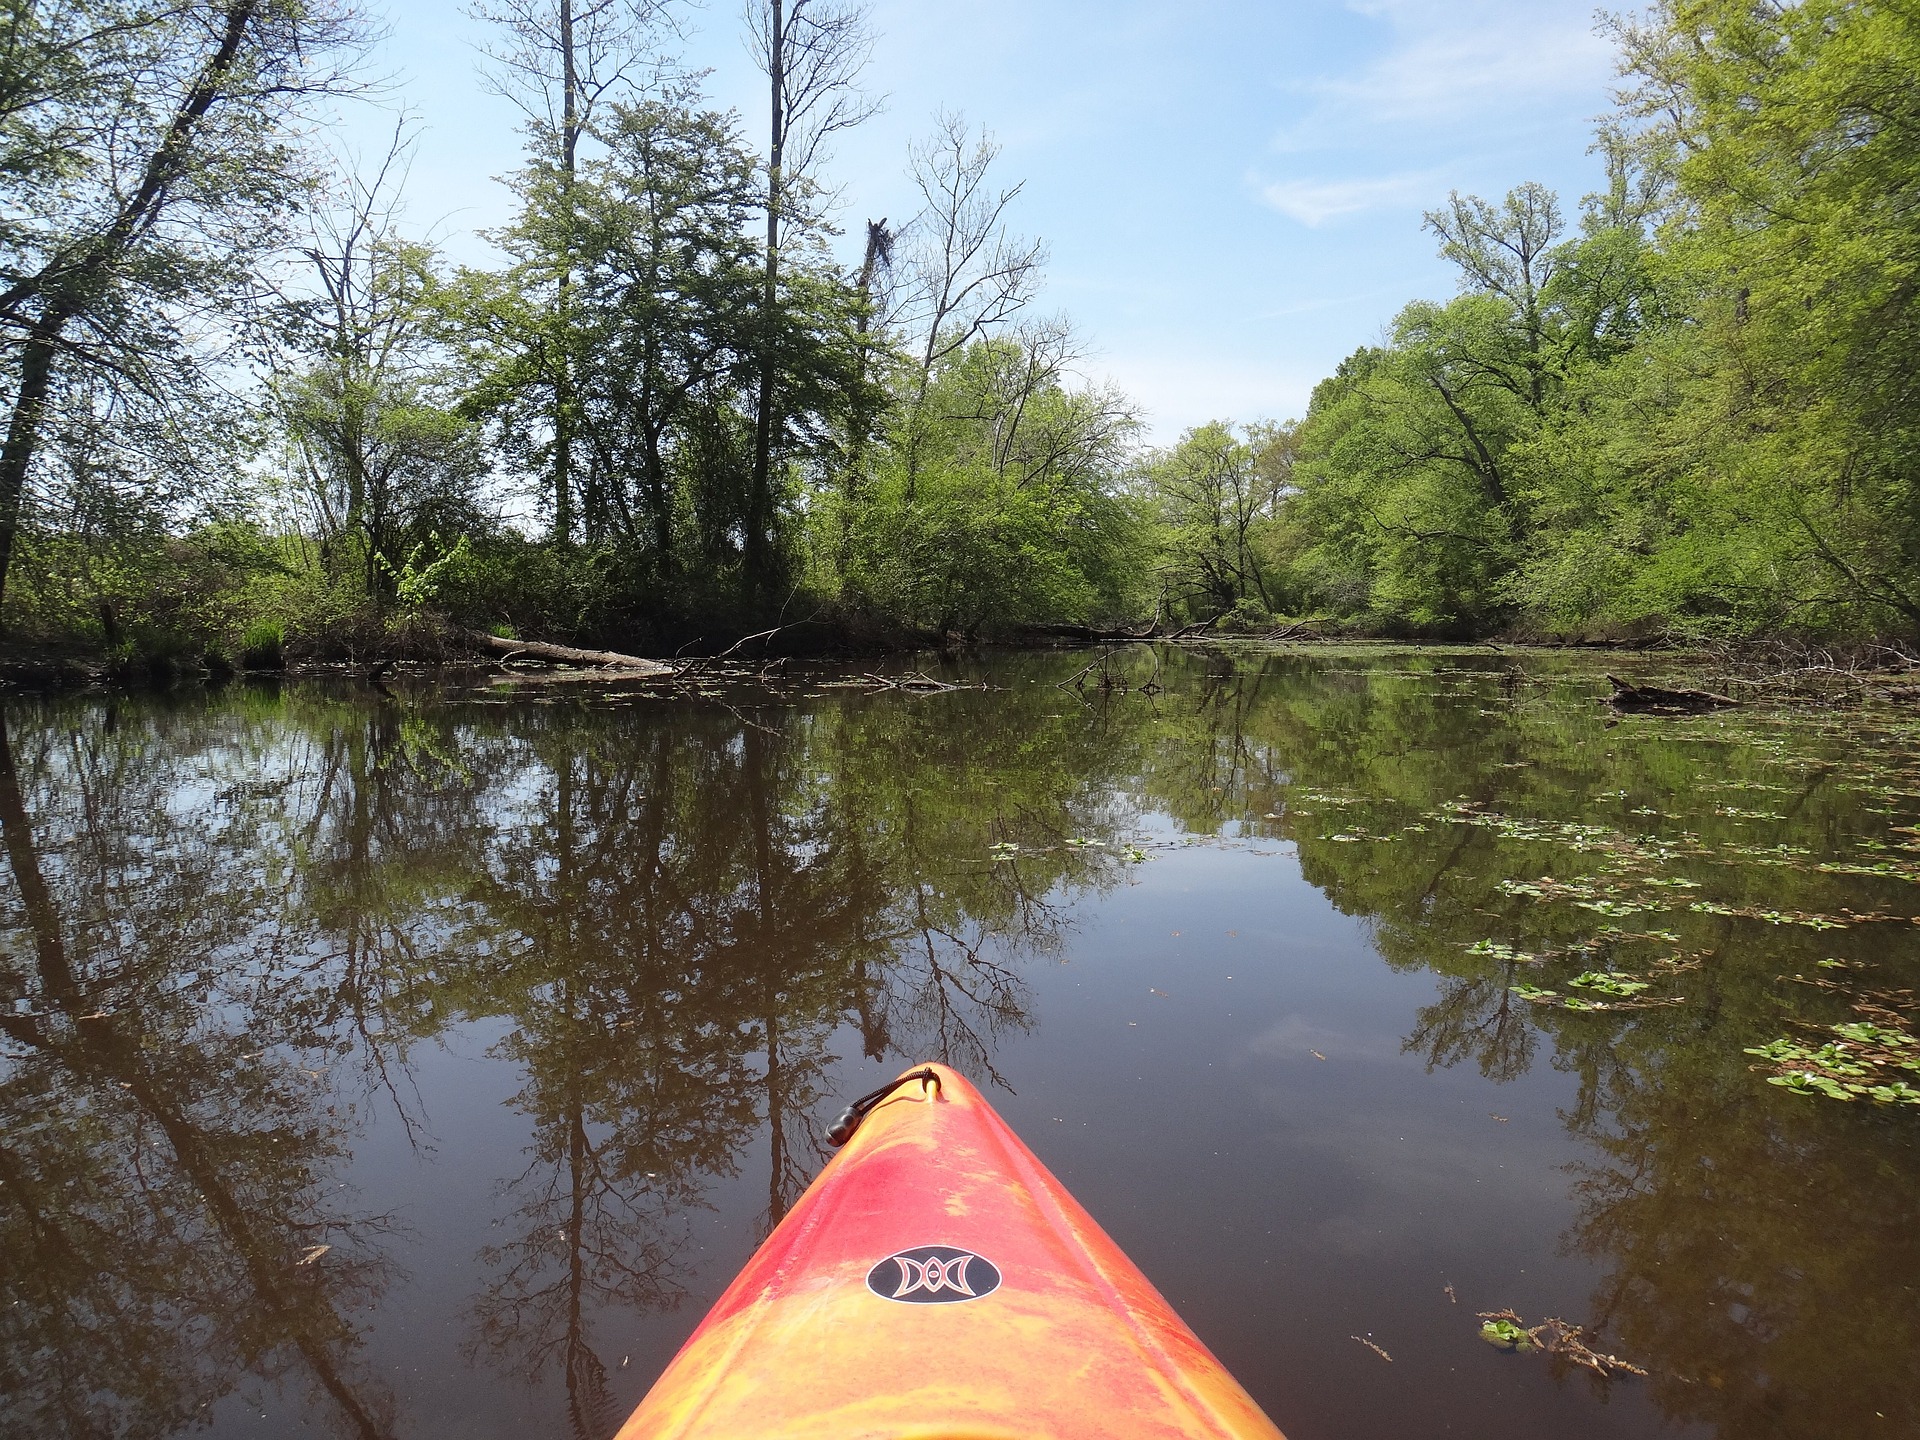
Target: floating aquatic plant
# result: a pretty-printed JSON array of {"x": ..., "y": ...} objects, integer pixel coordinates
[
  {"x": 1616, "y": 907},
  {"x": 1627, "y": 998},
  {"x": 1608, "y": 984},
  {"x": 1499, "y": 951},
  {"x": 1556, "y": 1337},
  {"x": 1860, "y": 1063},
  {"x": 1507, "y": 1333}
]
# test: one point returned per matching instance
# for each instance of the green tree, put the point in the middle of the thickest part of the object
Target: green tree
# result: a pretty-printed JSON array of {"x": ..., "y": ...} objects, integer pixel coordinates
[
  {"x": 1006, "y": 504},
  {"x": 1408, "y": 484},
  {"x": 559, "y": 61},
  {"x": 1213, "y": 495},
  {"x": 1450, "y": 477},
  {"x": 812, "y": 53},
  {"x": 665, "y": 295},
  {"x": 381, "y": 464},
  {"x": 152, "y": 158},
  {"x": 1794, "y": 133}
]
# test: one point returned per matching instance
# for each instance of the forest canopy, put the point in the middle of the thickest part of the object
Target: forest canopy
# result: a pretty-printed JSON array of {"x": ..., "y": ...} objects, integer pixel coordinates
[{"x": 248, "y": 410}]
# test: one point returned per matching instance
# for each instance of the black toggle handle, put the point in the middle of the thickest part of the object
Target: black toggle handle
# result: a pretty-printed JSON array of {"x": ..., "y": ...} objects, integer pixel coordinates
[{"x": 850, "y": 1118}]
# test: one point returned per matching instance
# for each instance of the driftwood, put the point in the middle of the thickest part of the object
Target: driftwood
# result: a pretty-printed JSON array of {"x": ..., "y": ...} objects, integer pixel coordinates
[
  {"x": 567, "y": 654},
  {"x": 1658, "y": 698},
  {"x": 1093, "y": 632},
  {"x": 1791, "y": 669},
  {"x": 914, "y": 684},
  {"x": 701, "y": 662},
  {"x": 1109, "y": 682},
  {"x": 1194, "y": 629},
  {"x": 597, "y": 675}
]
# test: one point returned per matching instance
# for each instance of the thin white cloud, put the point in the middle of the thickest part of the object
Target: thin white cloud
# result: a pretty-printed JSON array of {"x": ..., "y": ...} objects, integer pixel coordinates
[
  {"x": 1448, "y": 61},
  {"x": 1314, "y": 202}
]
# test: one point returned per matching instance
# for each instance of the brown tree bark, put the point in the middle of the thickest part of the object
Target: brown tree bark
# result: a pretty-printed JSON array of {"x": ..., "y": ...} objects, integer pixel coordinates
[
  {"x": 540, "y": 649},
  {"x": 759, "y": 505}
]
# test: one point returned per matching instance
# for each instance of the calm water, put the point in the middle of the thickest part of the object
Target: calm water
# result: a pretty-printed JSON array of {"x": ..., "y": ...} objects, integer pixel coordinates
[{"x": 531, "y": 1007}]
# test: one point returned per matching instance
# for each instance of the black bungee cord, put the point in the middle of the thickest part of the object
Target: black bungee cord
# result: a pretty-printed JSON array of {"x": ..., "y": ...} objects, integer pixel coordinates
[{"x": 851, "y": 1117}]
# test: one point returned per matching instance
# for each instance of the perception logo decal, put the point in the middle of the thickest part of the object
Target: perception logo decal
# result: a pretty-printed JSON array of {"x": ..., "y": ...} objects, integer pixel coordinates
[{"x": 934, "y": 1275}]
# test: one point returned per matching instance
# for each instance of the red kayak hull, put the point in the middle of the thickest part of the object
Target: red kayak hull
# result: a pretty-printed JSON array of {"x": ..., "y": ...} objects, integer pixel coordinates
[{"x": 937, "y": 1281}]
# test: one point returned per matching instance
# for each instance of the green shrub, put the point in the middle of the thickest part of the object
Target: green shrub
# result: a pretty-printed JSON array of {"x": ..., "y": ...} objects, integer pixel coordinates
[
  {"x": 261, "y": 646},
  {"x": 1248, "y": 614}
]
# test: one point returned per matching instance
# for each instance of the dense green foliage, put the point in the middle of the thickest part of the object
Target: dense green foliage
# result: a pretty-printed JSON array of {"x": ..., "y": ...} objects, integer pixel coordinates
[
  {"x": 670, "y": 412},
  {"x": 1692, "y": 413}
]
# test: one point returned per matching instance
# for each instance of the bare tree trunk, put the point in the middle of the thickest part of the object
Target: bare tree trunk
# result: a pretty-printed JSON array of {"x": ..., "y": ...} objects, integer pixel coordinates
[
  {"x": 563, "y": 361},
  {"x": 760, "y": 490},
  {"x": 23, "y": 433},
  {"x": 878, "y": 257}
]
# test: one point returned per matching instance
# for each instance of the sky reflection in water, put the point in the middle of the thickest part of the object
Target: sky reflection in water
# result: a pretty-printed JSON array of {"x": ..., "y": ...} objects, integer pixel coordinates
[{"x": 424, "y": 1066}]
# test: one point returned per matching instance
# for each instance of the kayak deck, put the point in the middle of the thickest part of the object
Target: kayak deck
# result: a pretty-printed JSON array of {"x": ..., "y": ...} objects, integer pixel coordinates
[{"x": 937, "y": 1281}]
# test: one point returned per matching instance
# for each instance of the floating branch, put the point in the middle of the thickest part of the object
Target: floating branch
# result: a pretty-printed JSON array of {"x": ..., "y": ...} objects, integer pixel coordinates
[
  {"x": 915, "y": 683},
  {"x": 1556, "y": 1337}
]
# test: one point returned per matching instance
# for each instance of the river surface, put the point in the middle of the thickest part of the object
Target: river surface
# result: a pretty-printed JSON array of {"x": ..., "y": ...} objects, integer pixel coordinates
[{"x": 424, "y": 1065}]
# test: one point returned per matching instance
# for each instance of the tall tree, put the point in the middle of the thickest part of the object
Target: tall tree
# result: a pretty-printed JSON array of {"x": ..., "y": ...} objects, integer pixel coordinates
[
  {"x": 667, "y": 289},
  {"x": 380, "y": 461},
  {"x": 1511, "y": 252},
  {"x": 1213, "y": 492},
  {"x": 152, "y": 159},
  {"x": 558, "y": 60},
  {"x": 812, "y": 53},
  {"x": 1794, "y": 130},
  {"x": 966, "y": 273}
]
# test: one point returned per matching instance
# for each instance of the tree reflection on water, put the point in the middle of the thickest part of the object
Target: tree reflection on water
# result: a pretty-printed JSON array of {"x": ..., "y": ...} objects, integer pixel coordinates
[
  {"x": 231, "y": 922},
  {"x": 166, "y": 1152},
  {"x": 228, "y": 925}
]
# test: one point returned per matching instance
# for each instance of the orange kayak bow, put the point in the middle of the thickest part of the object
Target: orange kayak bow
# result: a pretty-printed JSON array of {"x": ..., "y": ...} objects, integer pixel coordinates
[{"x": 937, "y": 1283}]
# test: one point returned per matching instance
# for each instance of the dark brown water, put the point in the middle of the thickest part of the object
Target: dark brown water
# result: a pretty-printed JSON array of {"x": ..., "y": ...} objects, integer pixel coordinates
[{"x": 531, "y": 1009}]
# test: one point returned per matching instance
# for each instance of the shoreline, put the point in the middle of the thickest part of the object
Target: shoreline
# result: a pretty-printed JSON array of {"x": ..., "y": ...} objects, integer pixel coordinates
[{"x": 1766, "y": 669}]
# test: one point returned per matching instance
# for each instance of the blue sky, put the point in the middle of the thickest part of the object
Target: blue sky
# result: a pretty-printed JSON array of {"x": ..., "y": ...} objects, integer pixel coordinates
[{"x": 1231, "y": 189}]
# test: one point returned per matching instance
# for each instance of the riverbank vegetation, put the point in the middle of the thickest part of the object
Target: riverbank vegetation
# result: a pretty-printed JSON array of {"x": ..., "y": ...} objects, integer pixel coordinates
[{"x": 251, "y": 415}]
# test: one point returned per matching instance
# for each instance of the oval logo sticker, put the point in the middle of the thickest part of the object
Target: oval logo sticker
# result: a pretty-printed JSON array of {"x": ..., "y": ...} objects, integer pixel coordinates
[{"x": 933, "y": 1275}]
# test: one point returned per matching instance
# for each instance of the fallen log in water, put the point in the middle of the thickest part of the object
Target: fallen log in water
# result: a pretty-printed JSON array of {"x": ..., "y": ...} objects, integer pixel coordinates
[
  {"x": 568, "y": 655},
  {"x": 1657, "y": 697},
  {"x": 1095, "y": 633}
]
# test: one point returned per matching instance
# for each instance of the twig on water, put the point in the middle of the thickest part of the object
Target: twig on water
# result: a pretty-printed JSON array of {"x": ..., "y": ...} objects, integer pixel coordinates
[
  {"x": 915, "y": 684},
  {"x": 1558, "y": 1338}
]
